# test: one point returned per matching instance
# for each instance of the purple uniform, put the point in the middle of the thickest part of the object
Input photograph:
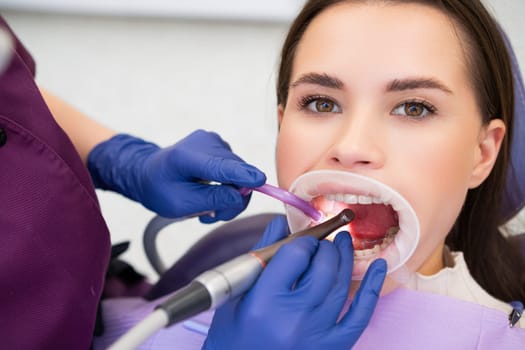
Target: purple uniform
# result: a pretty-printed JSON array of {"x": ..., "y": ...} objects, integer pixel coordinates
[{"x": 54, "y": 243}]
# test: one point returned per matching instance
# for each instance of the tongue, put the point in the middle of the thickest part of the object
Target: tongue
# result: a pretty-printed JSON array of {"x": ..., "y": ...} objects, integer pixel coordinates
[{"x": 371, "y": 221}]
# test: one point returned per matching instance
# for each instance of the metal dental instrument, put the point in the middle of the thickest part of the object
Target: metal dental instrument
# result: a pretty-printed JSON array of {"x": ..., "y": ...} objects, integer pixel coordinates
[
  {"x": 216, "y": 286},
  {"x": 158, "y": 222}
]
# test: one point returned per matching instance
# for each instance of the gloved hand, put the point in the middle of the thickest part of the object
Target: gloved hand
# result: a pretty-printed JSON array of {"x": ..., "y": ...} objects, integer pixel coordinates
[
  {"x": 172, "y": 181},
  {"x": 297, "y": 300}
]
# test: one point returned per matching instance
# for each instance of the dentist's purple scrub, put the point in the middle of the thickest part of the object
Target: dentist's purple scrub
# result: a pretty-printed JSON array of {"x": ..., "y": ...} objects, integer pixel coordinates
[{"x": 54, "y": 244}]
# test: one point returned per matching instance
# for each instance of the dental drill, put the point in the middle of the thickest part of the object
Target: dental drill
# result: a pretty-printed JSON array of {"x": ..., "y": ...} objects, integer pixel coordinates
[
  {"x": 216, "y": 286},
  {"x": 158, "y": 222}
]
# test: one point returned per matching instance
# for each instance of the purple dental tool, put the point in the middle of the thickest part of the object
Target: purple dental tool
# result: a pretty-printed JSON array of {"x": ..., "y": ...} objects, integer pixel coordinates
[{"x": 288, "y": 198}]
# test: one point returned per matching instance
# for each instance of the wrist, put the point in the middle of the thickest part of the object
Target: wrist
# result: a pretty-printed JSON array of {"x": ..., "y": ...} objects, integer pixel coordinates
[{"x": 113, "y": 164}]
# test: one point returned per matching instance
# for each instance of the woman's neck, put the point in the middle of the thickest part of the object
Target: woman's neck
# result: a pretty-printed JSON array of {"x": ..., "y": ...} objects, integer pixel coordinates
[{"x": 436, "y": 262}]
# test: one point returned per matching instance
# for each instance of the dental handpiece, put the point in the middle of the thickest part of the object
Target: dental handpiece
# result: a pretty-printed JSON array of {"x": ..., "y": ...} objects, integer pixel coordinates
[
  {"x": 159, "y": 222},
  {"x": 216, "y": 286}
]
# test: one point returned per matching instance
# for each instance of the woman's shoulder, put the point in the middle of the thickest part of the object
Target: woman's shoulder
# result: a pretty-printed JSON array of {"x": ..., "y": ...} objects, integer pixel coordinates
[{"x": 455, "y": 281}]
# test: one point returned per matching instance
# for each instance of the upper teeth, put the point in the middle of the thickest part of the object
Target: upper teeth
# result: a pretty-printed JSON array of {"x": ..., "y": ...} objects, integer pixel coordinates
[{"x": 353, "y": 199}]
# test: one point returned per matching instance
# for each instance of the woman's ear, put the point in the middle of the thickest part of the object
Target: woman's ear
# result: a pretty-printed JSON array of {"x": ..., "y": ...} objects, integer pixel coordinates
[
  {"x": 491, "y": 137},
  {"x": 280, "y": 115}
]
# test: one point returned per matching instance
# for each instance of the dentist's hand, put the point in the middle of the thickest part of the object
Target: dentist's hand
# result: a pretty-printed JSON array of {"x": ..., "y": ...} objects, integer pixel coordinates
[
  {"x": 173, "y": 181},
  {"x": 297, "y": 300}
]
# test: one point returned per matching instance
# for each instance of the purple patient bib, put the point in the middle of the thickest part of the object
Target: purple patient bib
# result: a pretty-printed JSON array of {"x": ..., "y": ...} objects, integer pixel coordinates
[
  {"x": 407, "y": 319},
  {"x": 403, "y": 320},
  {"x": 54, "y": 243}
]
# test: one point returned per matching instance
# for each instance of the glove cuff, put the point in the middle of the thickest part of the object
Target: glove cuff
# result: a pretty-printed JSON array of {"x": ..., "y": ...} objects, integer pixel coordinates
[{"x": 112, "y": 164}]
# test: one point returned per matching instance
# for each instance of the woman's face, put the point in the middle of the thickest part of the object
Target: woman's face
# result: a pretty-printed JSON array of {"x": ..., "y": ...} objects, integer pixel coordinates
[{"x": 383, "y": 91}]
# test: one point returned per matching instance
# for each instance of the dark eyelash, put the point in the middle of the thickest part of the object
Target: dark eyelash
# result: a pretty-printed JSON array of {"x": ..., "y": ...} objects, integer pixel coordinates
[
  {"x": 431, "y": 108},
  {"x": 306, "y": 100}
]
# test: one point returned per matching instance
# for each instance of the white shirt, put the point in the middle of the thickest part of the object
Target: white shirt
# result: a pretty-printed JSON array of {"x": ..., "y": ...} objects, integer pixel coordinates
[{"x": 457, "y": 282}]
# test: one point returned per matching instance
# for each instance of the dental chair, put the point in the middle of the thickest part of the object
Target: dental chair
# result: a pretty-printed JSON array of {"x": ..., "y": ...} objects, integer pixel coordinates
[{"x": 238, "y": 236}]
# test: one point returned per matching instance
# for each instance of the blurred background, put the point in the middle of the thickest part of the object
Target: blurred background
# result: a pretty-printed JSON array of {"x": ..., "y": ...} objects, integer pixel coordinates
[{"x": 160, "y": 69}]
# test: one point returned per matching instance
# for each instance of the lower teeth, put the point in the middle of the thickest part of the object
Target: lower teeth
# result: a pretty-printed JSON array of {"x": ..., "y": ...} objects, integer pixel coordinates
[{"x": 369, "y": 253}]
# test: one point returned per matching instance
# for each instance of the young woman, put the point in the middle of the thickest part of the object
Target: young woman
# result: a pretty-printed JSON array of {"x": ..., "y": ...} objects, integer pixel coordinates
[{"x": 417, "y": 95}]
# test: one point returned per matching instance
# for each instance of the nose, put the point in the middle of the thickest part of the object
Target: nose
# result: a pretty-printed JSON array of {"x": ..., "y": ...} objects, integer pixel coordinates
[{"x": 360, "y": 143}]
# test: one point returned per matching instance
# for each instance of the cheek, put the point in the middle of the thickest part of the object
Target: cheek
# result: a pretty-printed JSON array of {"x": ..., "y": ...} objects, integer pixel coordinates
[
  {"x": 442, "y": 170},
  {"x": 298, "y": 150},
  {"x": 437, "y": 163},
  {"x": 436, "y": 179},
  {"x": 290, "y": 157}
]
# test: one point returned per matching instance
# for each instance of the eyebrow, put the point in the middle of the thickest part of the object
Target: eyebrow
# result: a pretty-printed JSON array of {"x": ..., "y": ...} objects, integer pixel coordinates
[
  {"x": 323, "y": 79},
  {"x": 417, "y": 83},
  {"x": 318, "y": 79}
]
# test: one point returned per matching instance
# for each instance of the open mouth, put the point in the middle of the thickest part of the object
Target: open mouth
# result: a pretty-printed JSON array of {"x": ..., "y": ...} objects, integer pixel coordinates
[
  {"x": 374, "y": 226},
  {"x": 385, "y": 225}
]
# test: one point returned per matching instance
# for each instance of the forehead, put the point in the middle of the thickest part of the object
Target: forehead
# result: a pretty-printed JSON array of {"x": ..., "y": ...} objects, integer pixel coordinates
[{"x": 378, "y": 38}]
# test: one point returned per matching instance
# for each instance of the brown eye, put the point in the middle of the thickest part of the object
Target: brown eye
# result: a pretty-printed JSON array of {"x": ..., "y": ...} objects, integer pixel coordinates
[
  {"x": 319, "y": 104},
  {"x": 324, "y": 105},
  {"x": 414, "y": 109}
]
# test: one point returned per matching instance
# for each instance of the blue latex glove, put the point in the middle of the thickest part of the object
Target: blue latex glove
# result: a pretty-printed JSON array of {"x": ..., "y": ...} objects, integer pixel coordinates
[
  {"x": 172, "y": 181},
  {"x": 296, "y": 302}
]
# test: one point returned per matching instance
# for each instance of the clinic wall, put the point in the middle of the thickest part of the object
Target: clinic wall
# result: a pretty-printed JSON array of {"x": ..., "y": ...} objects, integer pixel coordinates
[{"x": 161, "y": 78}]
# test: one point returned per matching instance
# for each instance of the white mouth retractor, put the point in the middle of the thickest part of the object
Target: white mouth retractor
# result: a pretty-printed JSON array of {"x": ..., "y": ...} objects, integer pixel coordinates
[{"x": 325, "y": 182}]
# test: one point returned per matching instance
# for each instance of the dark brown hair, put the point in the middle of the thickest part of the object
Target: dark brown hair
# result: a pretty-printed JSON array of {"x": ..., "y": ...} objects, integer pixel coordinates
[{"x": 493, "y": 260}]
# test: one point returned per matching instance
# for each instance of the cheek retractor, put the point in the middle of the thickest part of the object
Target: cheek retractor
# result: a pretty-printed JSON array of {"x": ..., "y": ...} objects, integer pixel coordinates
[{"x": 336, "y": 188}]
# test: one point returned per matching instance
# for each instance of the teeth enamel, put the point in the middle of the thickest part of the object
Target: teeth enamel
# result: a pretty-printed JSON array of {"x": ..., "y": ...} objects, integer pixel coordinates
[
  {"x": 369, "y": 253},
  {"x": 364, "y": 200},
  {"x": 395, "y": 206},
  {"x": 353, "y": 199}
]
